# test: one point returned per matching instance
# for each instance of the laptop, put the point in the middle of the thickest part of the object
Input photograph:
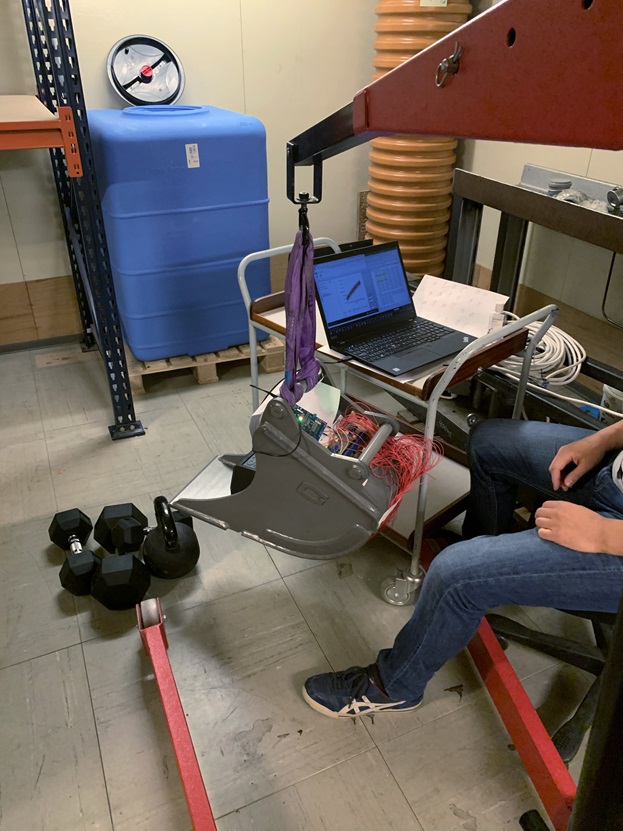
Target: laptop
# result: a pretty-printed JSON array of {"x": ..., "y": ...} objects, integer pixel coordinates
[{"x": 368, "y": 313}]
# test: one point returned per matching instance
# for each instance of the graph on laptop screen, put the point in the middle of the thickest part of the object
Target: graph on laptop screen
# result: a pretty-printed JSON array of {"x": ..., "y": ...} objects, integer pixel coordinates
[{"x": 361, "y": 286}]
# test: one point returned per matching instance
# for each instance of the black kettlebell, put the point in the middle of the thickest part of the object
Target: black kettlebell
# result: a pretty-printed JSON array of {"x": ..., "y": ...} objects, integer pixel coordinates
[{"x": 171, "y": 549}]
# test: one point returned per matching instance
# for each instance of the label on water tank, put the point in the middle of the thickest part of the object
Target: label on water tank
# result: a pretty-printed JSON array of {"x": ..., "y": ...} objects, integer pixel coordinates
[
  {"x": 192, "y": 155},
  {"x": 433, "y": 2}
]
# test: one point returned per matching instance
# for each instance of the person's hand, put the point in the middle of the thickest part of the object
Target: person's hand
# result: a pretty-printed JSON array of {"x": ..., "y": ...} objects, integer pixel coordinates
[
  {"x": 584, "y": 454},
  {"x": 572, "y": 525}
]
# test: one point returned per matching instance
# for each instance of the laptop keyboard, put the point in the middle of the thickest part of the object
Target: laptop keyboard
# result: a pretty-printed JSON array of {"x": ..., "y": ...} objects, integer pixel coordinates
[{"x": 424, "y": 331}]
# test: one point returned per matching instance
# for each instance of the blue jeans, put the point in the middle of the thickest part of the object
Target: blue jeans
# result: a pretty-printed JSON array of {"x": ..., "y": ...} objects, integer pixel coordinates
[{"x": 467, "y": 579}]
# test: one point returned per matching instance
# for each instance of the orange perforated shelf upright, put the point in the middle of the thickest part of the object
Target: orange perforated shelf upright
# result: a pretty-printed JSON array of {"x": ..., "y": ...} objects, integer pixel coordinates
[{"x": 27, "y": 124}]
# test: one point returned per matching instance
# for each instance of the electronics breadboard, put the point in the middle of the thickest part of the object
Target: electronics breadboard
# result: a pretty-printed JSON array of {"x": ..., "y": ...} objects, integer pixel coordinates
[{"x": 309, "y": 422}]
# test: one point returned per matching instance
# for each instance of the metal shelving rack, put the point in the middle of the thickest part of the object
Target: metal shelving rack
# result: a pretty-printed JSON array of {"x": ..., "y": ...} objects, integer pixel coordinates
[
  {"x": 26, "y": 123},
  {"x": 57, "y": 120}
]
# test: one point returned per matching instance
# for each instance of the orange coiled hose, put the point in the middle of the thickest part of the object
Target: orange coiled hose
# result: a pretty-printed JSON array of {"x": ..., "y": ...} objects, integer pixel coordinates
[{"x": 410, "y": 184}]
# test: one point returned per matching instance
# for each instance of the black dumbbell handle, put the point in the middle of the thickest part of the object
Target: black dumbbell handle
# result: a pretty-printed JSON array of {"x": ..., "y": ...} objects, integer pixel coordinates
[{"x": 165, "y": 521}]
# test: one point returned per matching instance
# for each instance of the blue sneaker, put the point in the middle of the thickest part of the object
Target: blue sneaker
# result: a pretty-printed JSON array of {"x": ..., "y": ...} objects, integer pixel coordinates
[{"x": 355, "y": 691}]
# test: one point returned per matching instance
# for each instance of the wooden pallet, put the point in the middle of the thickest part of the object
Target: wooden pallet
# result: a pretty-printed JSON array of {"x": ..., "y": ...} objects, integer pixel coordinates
[{"x": 205, "y": 367}]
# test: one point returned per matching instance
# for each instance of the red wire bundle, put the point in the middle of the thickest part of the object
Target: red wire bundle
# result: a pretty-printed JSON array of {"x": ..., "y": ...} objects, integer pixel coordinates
[{"x": 401, "y": 460}]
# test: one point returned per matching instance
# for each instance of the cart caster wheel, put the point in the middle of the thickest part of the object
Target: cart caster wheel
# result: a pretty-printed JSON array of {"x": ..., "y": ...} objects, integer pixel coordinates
[
  {"x": 502, "y": 641},
  {"x": 150, "y": 613},
  {"x": 392, "y": 595}
]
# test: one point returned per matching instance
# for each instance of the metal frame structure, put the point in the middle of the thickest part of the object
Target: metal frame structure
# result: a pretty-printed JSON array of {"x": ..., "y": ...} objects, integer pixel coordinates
[
  {"x": 248, "y": 302},
  {"x": 150, "y": 622},
  {"x": 550, "y": 776},
  {"x": 546, "y": 76},
  {"x": 519, "y": 206},
  {"x": 55, "y": 61},
  {"x": 34, "y": 127},
  {"x": 524, "y": 72},
  {"x": 460, "y": 367}
]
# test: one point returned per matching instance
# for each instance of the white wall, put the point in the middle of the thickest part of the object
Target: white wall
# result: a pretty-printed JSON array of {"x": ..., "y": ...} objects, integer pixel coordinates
[{"x": 290, "y": 64}]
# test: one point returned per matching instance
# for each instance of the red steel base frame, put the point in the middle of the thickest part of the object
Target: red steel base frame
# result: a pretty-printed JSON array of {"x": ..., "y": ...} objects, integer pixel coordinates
[
  {"x": 536, "y": 750},
  {"x": 547, "y": 771},
  {"x": 155, "y": 644},
  {"x": 540, "y": 758},
  {"x": 546, "y": 73}
]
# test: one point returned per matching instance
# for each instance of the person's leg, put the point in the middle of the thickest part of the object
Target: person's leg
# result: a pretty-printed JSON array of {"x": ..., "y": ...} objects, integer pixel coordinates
[
  {"x": 464, "y": 582},
  {"x": 506, "y": 453},
  {"x": 468, "y": 579}
]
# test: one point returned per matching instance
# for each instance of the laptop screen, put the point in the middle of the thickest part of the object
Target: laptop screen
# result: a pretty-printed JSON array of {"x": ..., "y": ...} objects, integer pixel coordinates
[{"x": 356, "y": 287}]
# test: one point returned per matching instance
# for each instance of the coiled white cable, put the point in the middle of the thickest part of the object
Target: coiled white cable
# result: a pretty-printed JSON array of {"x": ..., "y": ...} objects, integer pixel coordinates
[{"x": 557, "y": 361}]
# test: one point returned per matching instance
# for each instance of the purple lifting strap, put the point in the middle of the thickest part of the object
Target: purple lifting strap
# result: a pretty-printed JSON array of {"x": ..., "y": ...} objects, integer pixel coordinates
[{"x": 302, "y": 370}]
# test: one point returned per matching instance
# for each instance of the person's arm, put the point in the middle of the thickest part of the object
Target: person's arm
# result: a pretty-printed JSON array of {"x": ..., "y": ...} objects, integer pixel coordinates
[
  {"x": 571, "y": 525},
  {"x": 584, "y": 454}
]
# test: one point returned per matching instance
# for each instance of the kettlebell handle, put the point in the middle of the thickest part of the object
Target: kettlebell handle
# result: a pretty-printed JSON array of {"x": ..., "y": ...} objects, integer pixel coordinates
[{"x": 165, "y": 521}]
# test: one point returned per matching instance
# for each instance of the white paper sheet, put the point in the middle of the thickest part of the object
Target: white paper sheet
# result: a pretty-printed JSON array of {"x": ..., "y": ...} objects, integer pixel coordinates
[
  {"x": 323, "y": 400},
  {"x": 457, "y": 305}
]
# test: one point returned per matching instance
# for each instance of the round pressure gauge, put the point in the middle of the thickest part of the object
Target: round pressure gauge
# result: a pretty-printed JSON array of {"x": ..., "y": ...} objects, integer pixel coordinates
[{"x": 144, "y": 70}]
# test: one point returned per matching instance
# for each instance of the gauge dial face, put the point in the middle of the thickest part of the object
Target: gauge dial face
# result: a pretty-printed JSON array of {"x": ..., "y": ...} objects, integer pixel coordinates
[{"x": 144, "y": 70}]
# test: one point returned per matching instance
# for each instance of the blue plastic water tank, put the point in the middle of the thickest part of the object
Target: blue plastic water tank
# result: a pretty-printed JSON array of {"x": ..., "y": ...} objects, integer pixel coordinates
[{"x": 185, "y": 198}]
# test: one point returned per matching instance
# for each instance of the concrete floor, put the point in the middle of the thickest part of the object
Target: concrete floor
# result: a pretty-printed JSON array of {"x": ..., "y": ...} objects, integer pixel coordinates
[{"x": 83, "y": 737}]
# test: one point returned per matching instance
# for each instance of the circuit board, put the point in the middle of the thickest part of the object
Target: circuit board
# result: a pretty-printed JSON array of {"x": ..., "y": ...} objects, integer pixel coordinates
[{"x": 309, "y": 422}]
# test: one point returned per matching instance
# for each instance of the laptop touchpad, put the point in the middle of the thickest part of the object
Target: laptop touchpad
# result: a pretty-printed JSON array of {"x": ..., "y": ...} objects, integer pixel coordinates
[{"x": 446, "y": 346}]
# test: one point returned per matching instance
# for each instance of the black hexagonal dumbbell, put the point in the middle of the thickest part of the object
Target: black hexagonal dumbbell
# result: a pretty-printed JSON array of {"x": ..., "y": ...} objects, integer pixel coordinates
[
  {"x": 128, "y": 533},
  {"x": 121, "y": 581},
  {"x": 120, "y": 528},
  {"x": 70, "y": 530}
]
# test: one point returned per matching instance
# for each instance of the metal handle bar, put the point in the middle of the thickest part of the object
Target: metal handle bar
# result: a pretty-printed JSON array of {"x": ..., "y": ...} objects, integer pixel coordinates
[
  {"x": 244, "y": 290},
  {"x": 374, "y": 445},
  {"x": 550, "y": 313}
]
